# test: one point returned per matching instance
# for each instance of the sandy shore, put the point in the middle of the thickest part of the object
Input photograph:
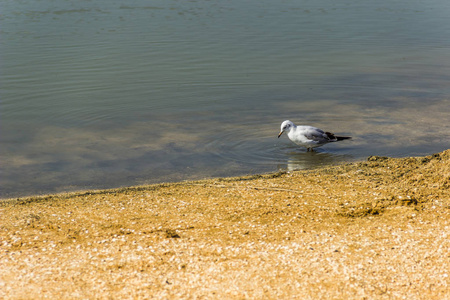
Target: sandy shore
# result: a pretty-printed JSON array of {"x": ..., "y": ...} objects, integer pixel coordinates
[{"x": 377, "y": 229}]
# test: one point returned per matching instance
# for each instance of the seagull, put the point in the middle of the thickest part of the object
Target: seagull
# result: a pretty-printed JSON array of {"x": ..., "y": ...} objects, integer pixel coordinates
[{"x": 308, "y": 136}]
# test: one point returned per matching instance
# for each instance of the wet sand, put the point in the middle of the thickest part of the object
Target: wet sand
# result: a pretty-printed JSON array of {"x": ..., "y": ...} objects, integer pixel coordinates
[{"x": 376, "y": 229}]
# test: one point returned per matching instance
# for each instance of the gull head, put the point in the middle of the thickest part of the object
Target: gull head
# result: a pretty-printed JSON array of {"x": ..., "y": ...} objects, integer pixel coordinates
[{"x": 286, "y": 126}]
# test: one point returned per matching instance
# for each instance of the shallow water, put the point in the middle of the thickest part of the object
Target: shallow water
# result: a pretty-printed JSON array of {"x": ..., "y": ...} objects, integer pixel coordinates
[{"x": 101, "y": 94}]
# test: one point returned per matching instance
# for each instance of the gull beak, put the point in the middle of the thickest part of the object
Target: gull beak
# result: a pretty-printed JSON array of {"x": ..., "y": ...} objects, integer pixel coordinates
[{"x": 280, "y": 134}]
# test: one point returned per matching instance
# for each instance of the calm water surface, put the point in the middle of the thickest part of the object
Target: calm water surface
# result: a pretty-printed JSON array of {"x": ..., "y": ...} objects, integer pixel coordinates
[{"x": 108, "y": 93}]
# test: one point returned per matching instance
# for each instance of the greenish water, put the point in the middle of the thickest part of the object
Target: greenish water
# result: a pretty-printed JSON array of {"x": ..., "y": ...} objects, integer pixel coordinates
[{"x": 101, "y": 94}]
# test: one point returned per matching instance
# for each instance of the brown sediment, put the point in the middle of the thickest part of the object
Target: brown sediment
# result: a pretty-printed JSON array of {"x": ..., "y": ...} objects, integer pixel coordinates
[{"x": 375, "y": 229}]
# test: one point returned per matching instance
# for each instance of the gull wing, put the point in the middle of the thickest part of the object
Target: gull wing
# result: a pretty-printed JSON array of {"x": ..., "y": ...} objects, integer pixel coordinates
[{"x": 319, "y": 136}]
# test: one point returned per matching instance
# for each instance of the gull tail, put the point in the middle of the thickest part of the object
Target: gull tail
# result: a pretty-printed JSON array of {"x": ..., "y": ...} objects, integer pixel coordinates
[
  {"x": 341, "y": 138},
  {"x": 335, "y": 138}
]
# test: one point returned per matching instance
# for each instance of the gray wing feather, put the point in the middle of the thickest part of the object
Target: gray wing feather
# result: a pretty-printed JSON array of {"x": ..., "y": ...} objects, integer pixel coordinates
[{"x": 317, "y": 135}]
